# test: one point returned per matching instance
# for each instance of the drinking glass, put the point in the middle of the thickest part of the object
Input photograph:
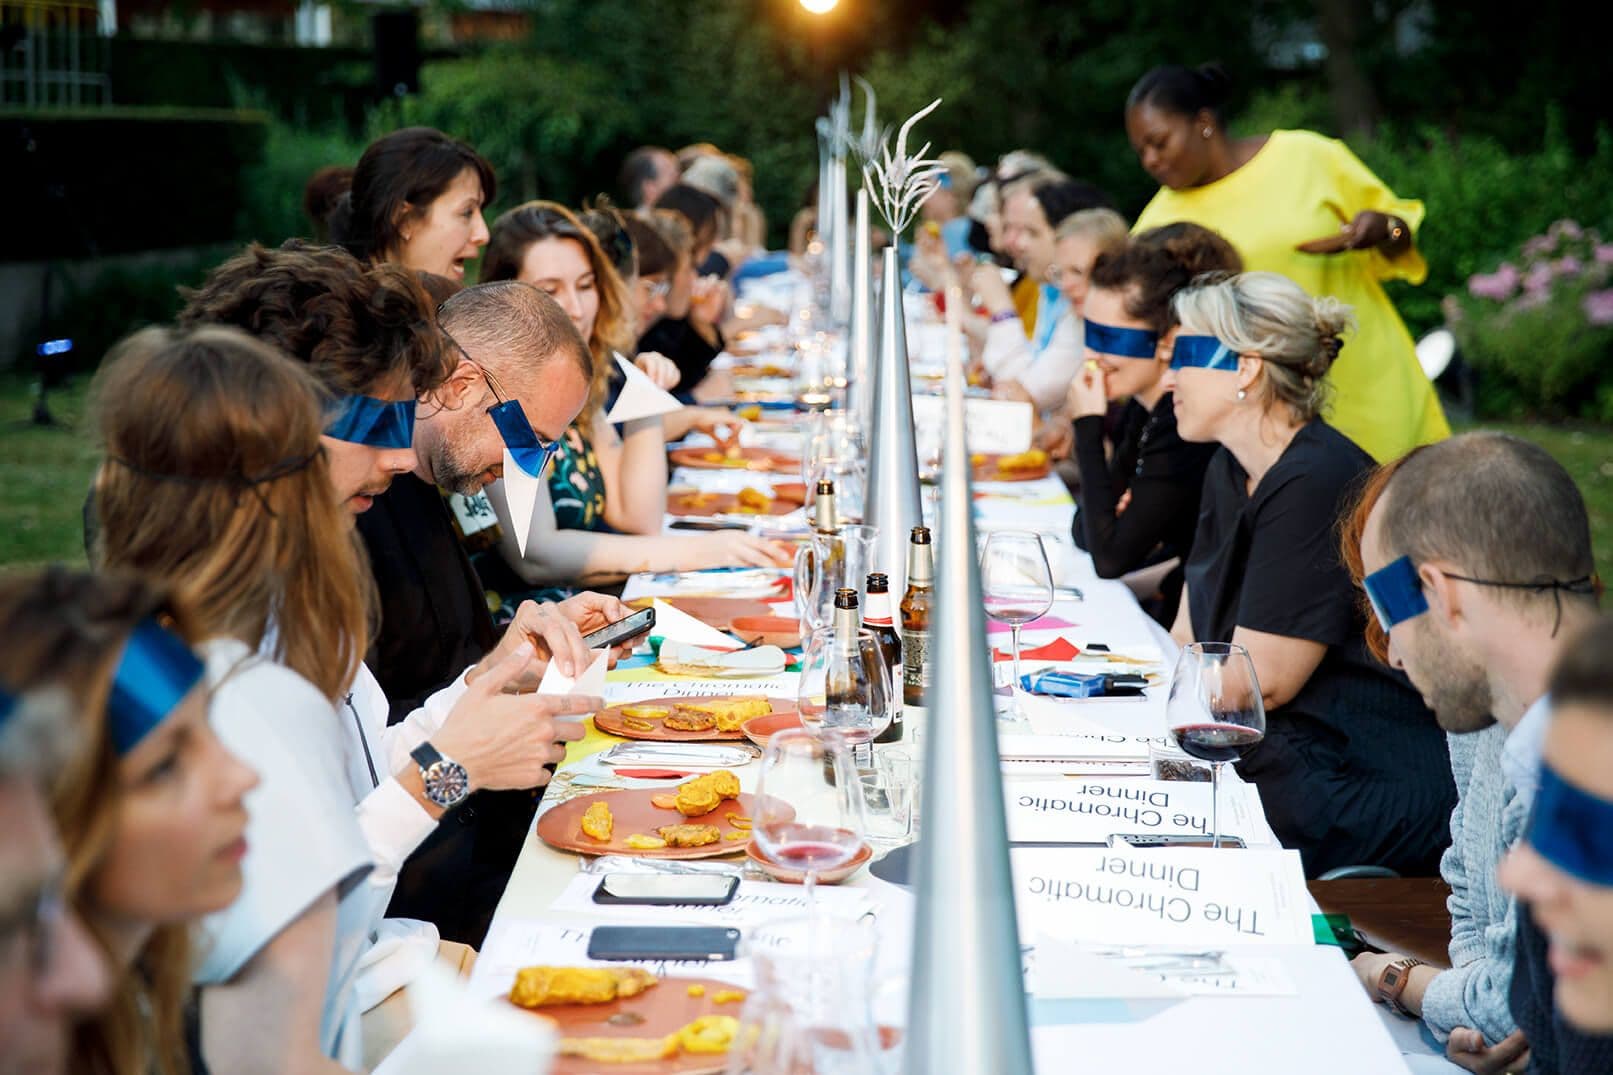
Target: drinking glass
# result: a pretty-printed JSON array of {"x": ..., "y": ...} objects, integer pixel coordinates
[
  {"x": 826, "y": 563},
  {"x": 845, "y": 690},
  {"x": 1017, "y": 584},
  {"x": 1214, "y": 711},
  {"x": 808, "y": 813}
]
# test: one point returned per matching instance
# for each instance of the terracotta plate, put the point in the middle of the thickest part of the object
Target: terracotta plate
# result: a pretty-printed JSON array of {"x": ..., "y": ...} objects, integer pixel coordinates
[
  {"x": 718, "y": 612},
  {"x": 722, "y": 504},
  {"x": 791, "y": 876},
  {"x": 781, "y": 631},
  {"x": 665, "y": 1007},
  {"x": 635, "y": 813},
  {"x": 760, "y": 729},
  {"x": 986, "y": 471},
  {"x": 765, "y": 459},
  {"x": 612, "y": 720}
]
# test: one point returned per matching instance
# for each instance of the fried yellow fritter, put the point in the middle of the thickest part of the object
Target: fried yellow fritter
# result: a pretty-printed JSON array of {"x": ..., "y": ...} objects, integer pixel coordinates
[
  {"x": 539, "y": 987},
  {"x": 687, "y": 835},
  {"x": 597, "y": 822}
]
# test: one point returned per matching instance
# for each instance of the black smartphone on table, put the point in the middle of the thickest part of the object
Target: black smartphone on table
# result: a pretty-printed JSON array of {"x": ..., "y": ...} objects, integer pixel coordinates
[
  {"x": 676, "y": 944},
  {"x": 623, "y": 630},
  {"x": 667, "y": 889}
]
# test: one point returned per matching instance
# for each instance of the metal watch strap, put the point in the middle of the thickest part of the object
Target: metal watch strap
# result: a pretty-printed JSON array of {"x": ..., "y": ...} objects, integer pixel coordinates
[{"x": 1392, "y": 983}]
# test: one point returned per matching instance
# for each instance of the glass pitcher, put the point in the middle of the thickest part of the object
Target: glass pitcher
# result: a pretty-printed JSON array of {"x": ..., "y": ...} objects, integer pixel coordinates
[
  {"x": 813, "y": 1009},
  {"x": 827, "y": 563}
]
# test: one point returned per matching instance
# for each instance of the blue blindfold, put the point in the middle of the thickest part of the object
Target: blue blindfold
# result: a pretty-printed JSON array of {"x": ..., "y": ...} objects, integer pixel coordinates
[
  {"x": 1203, "y": 353},
  {"x": 8, "y": 706},
  {"x": 530, "y": 451},
  {"x": 1573, "y": 830},
  {"x": 1121, "y": 342},
  {"x": 376, "y": 423},
  {"x": 1395, "y": 592},
  {"x": 154, "y": 674}
]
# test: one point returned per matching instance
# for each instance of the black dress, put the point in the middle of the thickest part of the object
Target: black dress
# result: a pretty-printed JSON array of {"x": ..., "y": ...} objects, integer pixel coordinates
[
  {"x": 1554, "y": 1046},
  {"x": 434, "y": 623},
  {"x": 1353, "y": 770},
  {"x": 675, "y": 338},
  {"x": 1165, "y": 476}
]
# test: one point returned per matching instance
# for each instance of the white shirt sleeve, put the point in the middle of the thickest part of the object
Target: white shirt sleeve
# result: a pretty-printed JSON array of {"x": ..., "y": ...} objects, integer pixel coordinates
[
  {"x": 1047, "y": 375},
  {"x": 302, "y": 838},
  {"x": 1006, "y": 348}
]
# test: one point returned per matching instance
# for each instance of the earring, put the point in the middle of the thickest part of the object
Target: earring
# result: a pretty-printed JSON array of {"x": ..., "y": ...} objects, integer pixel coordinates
[
  {"x": 1242, "y": 395},
  {"x": 1207, "y": 131}
]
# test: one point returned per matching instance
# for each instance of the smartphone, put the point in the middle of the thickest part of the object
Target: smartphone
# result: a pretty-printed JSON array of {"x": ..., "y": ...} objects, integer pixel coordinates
[
  {"x": 614, "y": 634},
  {"x": 706, "y": 524},
  {"x": 667, "y": 889},
  {"x": 709, "y": 944},
  {"x": 1139, "y": 839}
]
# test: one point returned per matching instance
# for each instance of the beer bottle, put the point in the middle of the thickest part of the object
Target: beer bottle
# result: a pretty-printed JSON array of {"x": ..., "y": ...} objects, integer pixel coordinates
[
  {"x": 824, "y": 520},
  {"x": 877, "y": 618},
  {"x": 915, "y": 609}
]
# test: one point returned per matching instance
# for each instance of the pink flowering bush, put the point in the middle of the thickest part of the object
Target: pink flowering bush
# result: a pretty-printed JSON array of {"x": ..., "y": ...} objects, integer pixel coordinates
[{"x": 1539, "y": 327}]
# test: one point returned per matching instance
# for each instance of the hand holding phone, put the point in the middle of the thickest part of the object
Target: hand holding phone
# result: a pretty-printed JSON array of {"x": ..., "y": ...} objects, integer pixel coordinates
[{"x": 623, "y": 630}]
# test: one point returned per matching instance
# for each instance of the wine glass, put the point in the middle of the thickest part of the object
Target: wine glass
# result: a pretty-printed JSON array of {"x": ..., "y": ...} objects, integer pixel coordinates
[
  {"x": 1215, "y": 712},
  {"x": 1017, "y": 584},
  {"x": 845, "y": 689},
  {"x": 808, "y": 809}
]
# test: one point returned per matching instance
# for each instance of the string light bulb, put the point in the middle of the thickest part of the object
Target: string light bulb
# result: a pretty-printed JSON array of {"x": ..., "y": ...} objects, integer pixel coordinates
[{"x": 819, "y": 7}]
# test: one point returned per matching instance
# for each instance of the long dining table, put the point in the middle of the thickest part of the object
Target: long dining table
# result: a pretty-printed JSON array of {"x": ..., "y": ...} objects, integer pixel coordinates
[{"x": 1317, "y": 1020}]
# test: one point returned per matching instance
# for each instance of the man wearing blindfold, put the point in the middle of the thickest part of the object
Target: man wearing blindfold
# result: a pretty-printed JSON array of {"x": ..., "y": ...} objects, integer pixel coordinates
[
  {"x": 1477, "y": 560},
  {"x": 1562, "y": 991}
]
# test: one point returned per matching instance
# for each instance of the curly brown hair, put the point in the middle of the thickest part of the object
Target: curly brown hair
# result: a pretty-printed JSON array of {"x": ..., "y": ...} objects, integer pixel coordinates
[
  {"x": 357, "y": 326},
  {"x": 1158, "y": 263}
]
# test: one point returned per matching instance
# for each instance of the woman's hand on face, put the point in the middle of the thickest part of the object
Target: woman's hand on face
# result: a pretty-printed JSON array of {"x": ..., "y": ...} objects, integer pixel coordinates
[
  {"x": 1087, "y": 396},
  {"x": 736, "y": 548},
  {"x": 660, "y": 369},
  {"x": 710, "y": 300}
]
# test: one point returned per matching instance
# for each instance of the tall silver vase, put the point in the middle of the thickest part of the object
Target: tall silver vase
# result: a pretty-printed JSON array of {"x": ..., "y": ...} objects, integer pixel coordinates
[
  {"x": 860, "y": 362},
  {"x": 965, "y": 929},
  {"x": 839, "y": 251},
  {"x": 893, "y": 503}
]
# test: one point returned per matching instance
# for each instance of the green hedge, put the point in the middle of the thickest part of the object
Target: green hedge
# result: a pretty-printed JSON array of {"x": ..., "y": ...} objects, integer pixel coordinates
[{"x": 117, "y": 180}]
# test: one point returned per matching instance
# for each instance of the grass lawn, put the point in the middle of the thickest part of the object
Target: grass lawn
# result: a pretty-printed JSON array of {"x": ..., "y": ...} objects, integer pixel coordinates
[{"x": 44, "y": 474}]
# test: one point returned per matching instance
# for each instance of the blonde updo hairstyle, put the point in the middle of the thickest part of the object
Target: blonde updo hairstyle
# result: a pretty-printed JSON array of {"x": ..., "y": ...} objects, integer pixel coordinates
[{"x": 1267, "y": 315}]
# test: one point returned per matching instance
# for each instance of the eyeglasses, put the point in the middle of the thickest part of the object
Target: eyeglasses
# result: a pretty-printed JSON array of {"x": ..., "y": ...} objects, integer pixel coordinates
[
  {"x": 530, "y": 451},
  {"x": 658, "y": 290},
  {"x": 36, "y": 925}
]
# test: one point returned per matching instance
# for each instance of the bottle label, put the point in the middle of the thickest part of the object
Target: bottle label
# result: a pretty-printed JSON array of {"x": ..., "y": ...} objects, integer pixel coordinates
[
  {"x": 916, "y": 659},
  {"x": 474, "y": 513}
]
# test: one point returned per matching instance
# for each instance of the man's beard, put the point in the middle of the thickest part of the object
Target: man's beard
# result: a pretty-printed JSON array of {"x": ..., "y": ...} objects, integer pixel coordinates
[
  {"x": 453, "y": 473},
  {"x": 1457, "y": 688}
]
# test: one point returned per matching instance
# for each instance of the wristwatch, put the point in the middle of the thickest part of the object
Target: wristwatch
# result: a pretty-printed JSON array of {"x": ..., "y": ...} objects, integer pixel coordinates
[
  {"x": 1392, "y": 983},
  {"x": 447, "y": 783}
]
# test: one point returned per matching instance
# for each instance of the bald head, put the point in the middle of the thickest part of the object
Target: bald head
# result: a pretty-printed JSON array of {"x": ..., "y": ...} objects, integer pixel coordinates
[
  {"x": 513, "y": 329},
  {"x": 1495, "y": 507}
]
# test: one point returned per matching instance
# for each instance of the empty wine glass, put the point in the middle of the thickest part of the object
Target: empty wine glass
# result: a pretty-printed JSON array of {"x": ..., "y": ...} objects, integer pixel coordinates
[
  {"x": 1017, "y": 584},
  {"x": 808, "y": 812},
  {"x": 1214, "y": 711},
  {"x": 845, "y": 689}
]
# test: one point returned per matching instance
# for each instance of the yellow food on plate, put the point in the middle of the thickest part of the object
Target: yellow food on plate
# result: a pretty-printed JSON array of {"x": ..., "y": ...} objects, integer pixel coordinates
[
  {"x": 540, "y": 987},
  {"x": 750, "y": 414},
  {"x": 728, "y": 713},
  {"x": 727, "y": 996},
  {"x": 598, "y": 822},
  {"x": 753, "y": 500},
  {"x": 687, "y": 835},
  {"x": 639, "y": 841},
  {"x": 1035, "y": 459},
  {"x": 975, "y": 459},
  {"x": 709, "y": 1034},
  {"x": 669, "y": 801},
  {"x": 645, "y": 712},
  {"x": 697, "y": 990},
  {"x": 737, "y": 835},
  {"x": 733, "y": 451},
  {"x": 621, "y": 1050},
  {"x": 704, "y": 793},
  {"x": 638, "y": 725}
]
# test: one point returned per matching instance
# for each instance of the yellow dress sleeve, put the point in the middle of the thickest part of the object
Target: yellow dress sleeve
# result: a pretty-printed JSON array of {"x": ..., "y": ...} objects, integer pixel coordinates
[{"x": 1354, "y": 187}]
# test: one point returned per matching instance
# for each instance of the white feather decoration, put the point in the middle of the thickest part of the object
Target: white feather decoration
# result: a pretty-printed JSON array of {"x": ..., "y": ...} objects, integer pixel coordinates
[{"x": 897, "y": 183}]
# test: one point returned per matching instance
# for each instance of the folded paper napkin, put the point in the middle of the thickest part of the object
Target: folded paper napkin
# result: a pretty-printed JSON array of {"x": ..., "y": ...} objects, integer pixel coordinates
[
  {"x": 1057, "y": 650},
  {"x": 683, "y": 659}
]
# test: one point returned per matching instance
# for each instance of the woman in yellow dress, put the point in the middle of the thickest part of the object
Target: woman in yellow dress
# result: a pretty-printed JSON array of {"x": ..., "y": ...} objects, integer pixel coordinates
[{"x": 1300, "y": 204}]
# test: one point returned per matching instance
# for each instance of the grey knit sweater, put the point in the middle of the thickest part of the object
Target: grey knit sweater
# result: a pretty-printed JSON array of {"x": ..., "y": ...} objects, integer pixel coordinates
[{"x": 1489, "y": 817}]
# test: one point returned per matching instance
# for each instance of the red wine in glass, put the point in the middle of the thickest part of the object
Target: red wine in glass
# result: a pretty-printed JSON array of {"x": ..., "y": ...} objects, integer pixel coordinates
[
  {"x": 809, "y": 847},
  {"x": 1216, "y": 742}
]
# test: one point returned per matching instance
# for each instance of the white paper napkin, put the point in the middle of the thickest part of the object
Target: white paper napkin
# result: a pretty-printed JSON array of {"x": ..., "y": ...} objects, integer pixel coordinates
[
  {"x": 640, "y": 397},
  {"x": 675, "y": 625}
]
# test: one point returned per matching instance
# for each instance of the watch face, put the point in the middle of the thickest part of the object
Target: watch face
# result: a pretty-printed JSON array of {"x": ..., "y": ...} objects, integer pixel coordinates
[{"x": 446, "y": 783}]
